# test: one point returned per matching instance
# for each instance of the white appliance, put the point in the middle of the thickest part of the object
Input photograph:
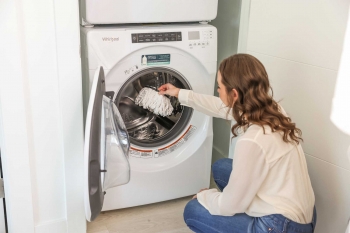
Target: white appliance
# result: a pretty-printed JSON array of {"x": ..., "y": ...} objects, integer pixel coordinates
[
  {"x": 146, "y": 11},
  {"x": 169, "y": 157}
]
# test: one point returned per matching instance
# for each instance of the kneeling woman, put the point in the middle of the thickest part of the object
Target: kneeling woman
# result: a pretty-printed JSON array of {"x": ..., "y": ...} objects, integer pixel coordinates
[{"x": 266, "y": 187}]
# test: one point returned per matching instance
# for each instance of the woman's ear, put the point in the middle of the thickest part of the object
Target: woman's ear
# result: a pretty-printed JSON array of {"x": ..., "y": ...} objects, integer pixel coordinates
[{"x": 235, "y": 95}]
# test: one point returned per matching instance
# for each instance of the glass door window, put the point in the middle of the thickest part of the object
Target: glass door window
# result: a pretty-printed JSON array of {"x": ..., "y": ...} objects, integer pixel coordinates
[{"x": 145, "y": 128}]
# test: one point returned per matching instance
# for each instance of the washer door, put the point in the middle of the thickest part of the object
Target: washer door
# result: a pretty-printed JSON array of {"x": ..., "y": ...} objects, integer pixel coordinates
[{"x": 106, "y": 148}]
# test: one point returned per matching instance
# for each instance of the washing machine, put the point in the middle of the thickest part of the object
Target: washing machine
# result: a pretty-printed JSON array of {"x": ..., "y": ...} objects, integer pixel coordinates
[{"x": 132, "y": 156}]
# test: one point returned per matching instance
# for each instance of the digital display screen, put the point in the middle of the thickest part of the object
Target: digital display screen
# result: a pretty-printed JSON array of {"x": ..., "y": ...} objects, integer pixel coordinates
[{"x": 193, "y": 35}]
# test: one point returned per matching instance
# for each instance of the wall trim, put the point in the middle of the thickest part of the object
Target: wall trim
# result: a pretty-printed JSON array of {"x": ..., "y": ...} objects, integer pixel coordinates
[
  {"x": 55, "y": 226},
  {"x": 67, "y": 30}
]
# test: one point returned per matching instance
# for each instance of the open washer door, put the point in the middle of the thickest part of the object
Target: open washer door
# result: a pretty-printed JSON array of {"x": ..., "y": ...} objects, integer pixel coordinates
[{"x": 106, "y": 148}]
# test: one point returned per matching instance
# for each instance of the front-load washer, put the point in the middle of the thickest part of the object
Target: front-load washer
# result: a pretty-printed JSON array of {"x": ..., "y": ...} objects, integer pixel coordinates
[
  {"x": 146, "y": 11},
  {"x": 132, "y": 156}
]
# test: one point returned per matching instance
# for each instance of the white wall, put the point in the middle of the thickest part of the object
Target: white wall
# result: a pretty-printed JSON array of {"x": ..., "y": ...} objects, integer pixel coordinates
[
  {"x": 300, "y": 44},
  {"x": 40, "y": 91}
]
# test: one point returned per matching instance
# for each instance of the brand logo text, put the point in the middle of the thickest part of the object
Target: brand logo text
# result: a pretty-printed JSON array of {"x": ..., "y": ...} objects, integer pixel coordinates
[{"x": 110, "y": 39}]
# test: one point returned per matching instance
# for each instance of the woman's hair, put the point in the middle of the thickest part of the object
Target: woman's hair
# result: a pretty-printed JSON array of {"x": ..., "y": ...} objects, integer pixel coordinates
[{"x": 255, "y": 104}]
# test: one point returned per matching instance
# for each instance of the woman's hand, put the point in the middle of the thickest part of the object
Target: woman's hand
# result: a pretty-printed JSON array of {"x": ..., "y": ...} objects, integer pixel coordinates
[
  {"x": 168, "y": 89},
  {"x": 195, "y": 196}
]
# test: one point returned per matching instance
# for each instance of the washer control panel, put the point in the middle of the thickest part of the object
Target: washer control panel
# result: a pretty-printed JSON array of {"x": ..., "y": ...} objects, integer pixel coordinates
[
  {"x": 156, "y": 37},
  {"x": 199, "y": 38},
  {"x": 194, "y": 39}
]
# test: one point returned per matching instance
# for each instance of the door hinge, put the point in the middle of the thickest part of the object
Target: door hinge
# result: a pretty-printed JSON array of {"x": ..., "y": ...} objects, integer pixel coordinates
[{"x": 2, "y": 190}]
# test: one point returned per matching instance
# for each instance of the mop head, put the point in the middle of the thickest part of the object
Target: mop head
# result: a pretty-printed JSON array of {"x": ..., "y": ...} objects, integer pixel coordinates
[{"x": 151, "y": 100}]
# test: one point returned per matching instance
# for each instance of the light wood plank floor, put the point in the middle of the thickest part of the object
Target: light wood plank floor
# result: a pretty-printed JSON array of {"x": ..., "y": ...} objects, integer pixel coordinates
[
  {"x": 163, "y": 217},
  {"x": 159, "y": 217}
]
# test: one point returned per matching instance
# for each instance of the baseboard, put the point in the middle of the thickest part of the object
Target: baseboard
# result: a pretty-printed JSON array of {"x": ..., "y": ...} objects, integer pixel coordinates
[{"x": 56, "y": 226}]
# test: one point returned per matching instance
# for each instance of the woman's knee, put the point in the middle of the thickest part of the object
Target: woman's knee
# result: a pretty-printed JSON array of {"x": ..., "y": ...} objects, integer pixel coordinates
[
  {"x": 221, "y": 167},
  {"x": 196, "y": 216},
  {"x": 194, "y": 211},
  {"x": 191, "y": 209}
]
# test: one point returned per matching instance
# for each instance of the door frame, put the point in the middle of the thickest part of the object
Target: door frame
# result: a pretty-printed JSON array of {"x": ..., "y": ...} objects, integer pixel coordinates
[{"x": 15, "y": 112}]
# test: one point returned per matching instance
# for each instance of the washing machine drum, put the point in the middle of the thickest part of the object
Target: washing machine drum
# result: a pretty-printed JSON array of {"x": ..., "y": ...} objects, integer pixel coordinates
[{"x": 145, "y": 128}]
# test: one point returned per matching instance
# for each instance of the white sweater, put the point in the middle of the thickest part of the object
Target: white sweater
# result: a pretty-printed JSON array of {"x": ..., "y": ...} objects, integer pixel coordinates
[{"x": 269, "y": 176}]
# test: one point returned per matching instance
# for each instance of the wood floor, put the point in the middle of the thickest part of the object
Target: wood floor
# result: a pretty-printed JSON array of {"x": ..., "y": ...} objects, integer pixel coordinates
[
  {"x": 163, "y": 217},
  {"x": 159, "y": 217}
]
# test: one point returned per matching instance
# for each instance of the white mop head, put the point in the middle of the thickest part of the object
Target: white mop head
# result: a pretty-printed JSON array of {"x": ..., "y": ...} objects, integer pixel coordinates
[{"x": 151, "y": 100}]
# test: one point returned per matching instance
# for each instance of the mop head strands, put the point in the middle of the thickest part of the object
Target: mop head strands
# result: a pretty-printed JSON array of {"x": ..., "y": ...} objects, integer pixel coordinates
[{"x": 151, "y": 100}]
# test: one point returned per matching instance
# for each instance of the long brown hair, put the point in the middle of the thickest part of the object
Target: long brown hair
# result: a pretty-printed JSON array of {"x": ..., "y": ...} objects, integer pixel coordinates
[{"x": 255, "y": 104}]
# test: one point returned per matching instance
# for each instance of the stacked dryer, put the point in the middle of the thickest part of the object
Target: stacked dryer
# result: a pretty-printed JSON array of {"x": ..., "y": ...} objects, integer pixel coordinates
[{"x": 132, "y": 156}]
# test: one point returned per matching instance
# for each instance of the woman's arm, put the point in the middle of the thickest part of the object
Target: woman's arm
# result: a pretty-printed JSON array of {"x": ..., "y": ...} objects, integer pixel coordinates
[
  {"x": 248, "y": 173},
  {"x": 207, "y": 104}
]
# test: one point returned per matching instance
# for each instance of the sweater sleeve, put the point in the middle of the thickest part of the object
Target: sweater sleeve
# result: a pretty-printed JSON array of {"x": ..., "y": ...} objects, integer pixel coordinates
[
  {"x": 249, "y": 170},
  {"x": 207, "y": 104}
]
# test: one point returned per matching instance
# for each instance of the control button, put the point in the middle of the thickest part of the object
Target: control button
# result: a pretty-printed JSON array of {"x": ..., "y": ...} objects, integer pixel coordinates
[
  {"x": 147, "y": 35},
  {"x": 179, "y": 36},
  {"x": 207, "y": 42},
  {"x": 203, "y": 43},
  {"x": 166, "y": 39},
  {"x": 166, "y": 34},
  {"x": 154, "y": 35},
  {"x": 190, "y": 45},
  {"x": 147, "y": 40},
  {"x": 141, "y": 40},
  {"x": 160, "y": 39},
  {"x": 172, "y": 34},
  {"x": 159, "y": 35},
  {"x": 154, "y": 40},
  {"x": 134, "y": 38},
  {"x": 141, "y": 36},
  {"x": 173, "y": 38},
  {"x": 194, "y": 44}
]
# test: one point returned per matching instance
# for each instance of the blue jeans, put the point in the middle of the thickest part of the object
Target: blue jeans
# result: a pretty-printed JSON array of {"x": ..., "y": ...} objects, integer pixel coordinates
[{"x": 198, "y": 219}]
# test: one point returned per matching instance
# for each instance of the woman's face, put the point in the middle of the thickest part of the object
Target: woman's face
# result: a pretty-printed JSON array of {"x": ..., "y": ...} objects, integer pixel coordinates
[
  {"x": 223, "y": 93},
  {"x": 222, "y": 90}
]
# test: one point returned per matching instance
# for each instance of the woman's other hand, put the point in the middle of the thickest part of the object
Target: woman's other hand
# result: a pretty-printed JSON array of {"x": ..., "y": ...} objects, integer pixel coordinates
[
  {"x": 195, "y": 196},
  {"x": 168, "y": 89}
]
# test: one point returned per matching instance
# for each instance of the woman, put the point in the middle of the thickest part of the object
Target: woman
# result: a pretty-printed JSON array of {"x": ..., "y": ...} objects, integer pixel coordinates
[{"x": 266, "y": 188}]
